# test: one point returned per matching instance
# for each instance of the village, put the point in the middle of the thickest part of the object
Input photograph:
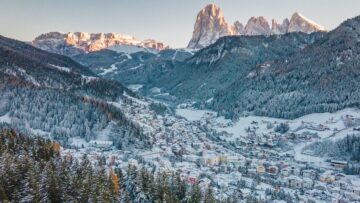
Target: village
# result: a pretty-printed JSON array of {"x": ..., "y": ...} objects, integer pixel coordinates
[{"x": 256, "y": 156}]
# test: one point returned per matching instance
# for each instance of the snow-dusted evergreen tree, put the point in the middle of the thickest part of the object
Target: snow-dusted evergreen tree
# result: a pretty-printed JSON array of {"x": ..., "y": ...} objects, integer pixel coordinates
[
  {"x": 209, "y": 196},
  {"x": 32, "y": 170}
]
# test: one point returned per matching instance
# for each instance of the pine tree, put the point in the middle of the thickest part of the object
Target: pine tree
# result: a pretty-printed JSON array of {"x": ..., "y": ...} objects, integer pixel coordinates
[
  {"x": 3, "y": 197},
  {"x": 53, "y": 188},
  {"x": 195, "y": 195},
  {"x": 145, "y": 186},
  {"x": 179, "y": 188},
  {"x": 43, "y": 187},
  {"x": 26, "y": 190},
  {"x": 209, "y": 196}
]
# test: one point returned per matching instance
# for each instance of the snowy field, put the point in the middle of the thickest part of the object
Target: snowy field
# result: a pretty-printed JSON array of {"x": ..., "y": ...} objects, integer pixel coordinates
[
  {"x": 135, "y": 87},
  {"x": 331, "y": 120},
  {"x": 193, "y": 115}
]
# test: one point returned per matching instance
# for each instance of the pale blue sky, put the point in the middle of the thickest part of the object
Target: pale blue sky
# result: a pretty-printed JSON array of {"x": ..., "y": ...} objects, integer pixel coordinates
[{"x": 170, "y": 21}]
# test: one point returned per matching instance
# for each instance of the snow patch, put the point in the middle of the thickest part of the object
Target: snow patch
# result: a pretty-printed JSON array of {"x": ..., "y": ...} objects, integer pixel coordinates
[
  {"x": 193, "y": 114},
  {"x": 136, "y": 67},
  {"x": 130, "y": 49},
  {"x": 61, "y": 68},
  {"x": 89, "y": 78},
  {"x": 78, "y": 142},
  {"x": 5, "y": 119},
  {"x": 135, "y": 87},
  {"x": 110, "y": 70}
]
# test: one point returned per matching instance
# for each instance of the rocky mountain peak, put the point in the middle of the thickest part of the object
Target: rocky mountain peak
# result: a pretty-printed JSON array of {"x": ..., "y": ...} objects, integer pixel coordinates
[
  {"x": 210, "y": 25},
  {"x": 257, "y": 26},
  {"x": 239, "y": 28},
  {"x": 73, "y": 43},
  {"x": 277, "y": 28},
  {"x": 299, "y": 23},
  {"x": 212, "y": 10}
]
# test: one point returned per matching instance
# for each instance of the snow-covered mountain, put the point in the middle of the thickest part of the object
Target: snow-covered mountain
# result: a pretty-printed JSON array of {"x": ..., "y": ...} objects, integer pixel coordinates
[
  {"x": 210, "y": 25},
  {"x": 73, "y": 43}
]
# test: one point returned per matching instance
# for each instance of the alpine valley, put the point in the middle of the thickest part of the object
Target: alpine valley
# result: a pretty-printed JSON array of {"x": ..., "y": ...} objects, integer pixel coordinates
[{"x": 254, "y": 112}]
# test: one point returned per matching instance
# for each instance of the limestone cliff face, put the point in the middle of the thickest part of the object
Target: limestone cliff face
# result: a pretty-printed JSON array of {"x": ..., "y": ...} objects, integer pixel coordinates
[
  {"x": 299, "y": 23},
  {"x": 73, "y": 43},
  {"x": 257, "y": 26},
  {"x": 210, "y": 25},
  {"x": 239, "y": 28},
  {"x": 277, "y": 28}
]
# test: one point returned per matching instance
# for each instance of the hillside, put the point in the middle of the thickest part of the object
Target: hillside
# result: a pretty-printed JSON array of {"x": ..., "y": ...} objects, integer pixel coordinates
[
  {"x": 228, "y": 60},
  {"x": 134, "y": 66},
  {"x": 52, "y": 95},
  {"x": 322, "y": 77}
]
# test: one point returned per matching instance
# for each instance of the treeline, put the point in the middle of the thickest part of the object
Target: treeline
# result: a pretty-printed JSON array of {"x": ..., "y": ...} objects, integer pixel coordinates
[
  {"x": 350, "y": 145},
  {"x": 160, "y": 108},
  {"x": 32, "y": 170},
  {"x": 347, "y": 148}
]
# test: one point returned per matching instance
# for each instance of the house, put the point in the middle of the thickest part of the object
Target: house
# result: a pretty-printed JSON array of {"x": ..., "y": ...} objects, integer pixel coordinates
[
  {"x": 191, "y": 158},
  {"x": 340, "y": 176},
  {"x": 244, "y": 192},
  {"x": 260, "y": 169},
  {"x": 355, "y": 186},
  {"x": 133, "y": 162},
  {"x": 296, "y": 171},
  {"x": 309, "y": 173},
  {"x": 205, "y": 182},
  {"x": 273, "y": 170},
  {"x": 236, "y": 176},
  {"x": 192, "y": 180},
  {"x": 342, "y": 184},
  {"x": 339, "y": 164},
  {"x": 251, "y": 171},
  {"x": 210, "y": 160},
  {"x": 236, "y": 161},
  {"x": 223, "y": 159},
  {"x": 327, "y": 177},
  {"x": 294, "y": 182},
  {"x": 285, "y": 171},
  {"x": 101, "y": 144},
  {"x": 308, "y": 183},
  {"x": 320, "y": 186},
  {"x": 334, "y": 189}
]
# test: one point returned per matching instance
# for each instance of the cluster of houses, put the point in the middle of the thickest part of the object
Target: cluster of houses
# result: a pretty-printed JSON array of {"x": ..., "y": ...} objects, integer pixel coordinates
[{"x": 249, "y": 166}]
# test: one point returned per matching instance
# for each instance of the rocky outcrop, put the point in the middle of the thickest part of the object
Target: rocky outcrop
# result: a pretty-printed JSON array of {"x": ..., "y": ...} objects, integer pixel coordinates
[
  {"x": 73, "y": 43},
  {"x": 299, "y": 23},
  {"x": 279, "y": 28},
  {"x": 239, "y": 28},
  {"x": 257, "y": 26},
  {"x": 210, "y": 25}
]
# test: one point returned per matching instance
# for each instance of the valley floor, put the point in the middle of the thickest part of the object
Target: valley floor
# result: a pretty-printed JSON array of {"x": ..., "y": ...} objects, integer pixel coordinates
[{"x": 243, "y": 158}]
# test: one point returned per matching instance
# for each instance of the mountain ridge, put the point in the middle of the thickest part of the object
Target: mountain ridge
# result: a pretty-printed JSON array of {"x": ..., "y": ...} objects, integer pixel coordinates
[
  {"x": 210, "y": 25},
  {"x": 322, "y": 77},
  {"x": 47, "y": 94},
  {"x": 74, "y": 43}
]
